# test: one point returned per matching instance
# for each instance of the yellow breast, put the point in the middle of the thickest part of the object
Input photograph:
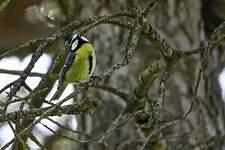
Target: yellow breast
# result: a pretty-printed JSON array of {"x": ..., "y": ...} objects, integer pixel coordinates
[{"x": 80, "y": 69}]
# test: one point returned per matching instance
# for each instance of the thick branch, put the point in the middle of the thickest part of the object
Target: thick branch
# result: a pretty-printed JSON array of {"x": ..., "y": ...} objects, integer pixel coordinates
[
  {"x": 132, "y": 42},
  {"x": 147, "y": 77},
  {"x": 88, "y": 107},
  {"x": 152, "y": 35}
]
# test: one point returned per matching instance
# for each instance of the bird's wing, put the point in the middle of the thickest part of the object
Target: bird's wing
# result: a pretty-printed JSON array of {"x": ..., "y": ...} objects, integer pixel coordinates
[
  {"x": 61, "y": 85},
  {"x": 69, "y": 61}
]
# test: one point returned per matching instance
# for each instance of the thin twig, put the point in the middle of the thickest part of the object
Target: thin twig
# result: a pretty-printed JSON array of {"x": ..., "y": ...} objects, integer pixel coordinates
[
  {"x": 68, "y": 129},
  {"x": 18, "y": 72},
  {"x": 24, "y": 45},
  {"x": 35, "y": 140},
  {"x": 124, "y": 96}
]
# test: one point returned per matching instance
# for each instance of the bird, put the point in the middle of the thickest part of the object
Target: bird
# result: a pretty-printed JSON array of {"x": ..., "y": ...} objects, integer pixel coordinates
[{"x": 79, "y": 65}]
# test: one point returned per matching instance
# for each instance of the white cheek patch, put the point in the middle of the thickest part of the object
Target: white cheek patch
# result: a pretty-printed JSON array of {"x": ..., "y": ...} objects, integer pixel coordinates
[{"x": 74, "y": 45}]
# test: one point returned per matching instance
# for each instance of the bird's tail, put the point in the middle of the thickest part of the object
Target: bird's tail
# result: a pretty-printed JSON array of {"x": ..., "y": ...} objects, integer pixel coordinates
[{"x": 59, "y": 92}]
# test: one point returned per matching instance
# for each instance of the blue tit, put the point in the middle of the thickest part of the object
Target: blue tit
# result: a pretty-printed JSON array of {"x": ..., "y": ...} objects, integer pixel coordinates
[{"x": 79, "y": 65}]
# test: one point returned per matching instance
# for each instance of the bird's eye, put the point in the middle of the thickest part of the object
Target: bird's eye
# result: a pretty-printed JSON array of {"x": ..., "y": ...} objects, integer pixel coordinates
[
  {"x": 78, "y": 35},
  {"x": 74, "y": 45}
]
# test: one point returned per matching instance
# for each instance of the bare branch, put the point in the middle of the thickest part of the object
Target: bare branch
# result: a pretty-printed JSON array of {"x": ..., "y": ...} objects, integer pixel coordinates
[
  {"x": 147, "y": 77},
  {"x": 18, "y": 72},
  {"x": 88, "y": 107},
  {"x": 124, "y": 96}
]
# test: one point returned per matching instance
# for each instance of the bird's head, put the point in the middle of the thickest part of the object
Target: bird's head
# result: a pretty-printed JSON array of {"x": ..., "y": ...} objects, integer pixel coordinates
[{"x": 75, "y": 41}]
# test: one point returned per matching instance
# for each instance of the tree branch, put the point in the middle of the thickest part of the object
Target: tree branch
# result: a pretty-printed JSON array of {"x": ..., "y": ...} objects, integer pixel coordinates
[
  {"x": 18, "y": 72},
  {"x": 87, "y": 107},
  {"x": 147, "y": 77}
]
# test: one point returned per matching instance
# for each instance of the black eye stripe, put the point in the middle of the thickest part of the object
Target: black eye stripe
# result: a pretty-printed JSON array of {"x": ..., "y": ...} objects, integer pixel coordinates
[{"x": 79, "y": 44}]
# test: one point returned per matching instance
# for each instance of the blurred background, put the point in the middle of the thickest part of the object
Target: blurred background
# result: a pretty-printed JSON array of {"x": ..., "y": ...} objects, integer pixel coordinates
[{"x": 184, "y": 24}]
